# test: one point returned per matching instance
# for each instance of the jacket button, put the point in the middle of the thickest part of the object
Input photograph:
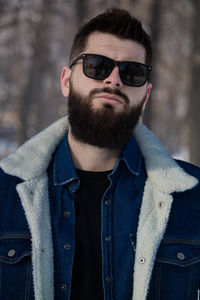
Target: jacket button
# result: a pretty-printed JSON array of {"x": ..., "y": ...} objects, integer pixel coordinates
[
  {"x": 108, "y": 279},
  {"x": 11, "y": 252},
  {"x": 142, "y": 260},
  {"x": 107, "y": 238},
  {"x": 67, "y": 246},
  {"x": 161, "y": 204},
  {"x": 67, "y": 214},
  {"x": 180, "y": 256},
  {"x": 107, "y": 202},
  {"x": 63, "y": 287}
]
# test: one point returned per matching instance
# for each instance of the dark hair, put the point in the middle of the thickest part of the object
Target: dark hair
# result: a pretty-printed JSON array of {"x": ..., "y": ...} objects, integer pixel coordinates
[{"x": 118, "y": 22}]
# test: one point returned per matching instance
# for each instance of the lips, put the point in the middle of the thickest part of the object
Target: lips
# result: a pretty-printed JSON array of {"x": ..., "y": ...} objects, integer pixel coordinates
[{"x": 111, "y": 98}]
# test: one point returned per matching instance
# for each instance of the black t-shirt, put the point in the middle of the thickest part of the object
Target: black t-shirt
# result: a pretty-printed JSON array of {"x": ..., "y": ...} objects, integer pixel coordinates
[{"x": 87, "y": 265}]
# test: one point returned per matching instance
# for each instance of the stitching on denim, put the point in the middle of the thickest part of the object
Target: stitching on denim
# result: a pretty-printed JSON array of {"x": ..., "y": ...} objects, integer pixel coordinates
[
  {"x": 132, "y": 241},
  {"x": 16, "y": 259},
  {"x": 180, "y": 241},
  {"x": 26, "y": 283},
  {"x": 0, "y": 280},
  {"x": 189, "y": 283},
  {"x": 16, "y": 236},
  {"x": 159, "y": 271},
  {"x": 172, "y": 261},
  {"x": 27, "y": 286},
  {"x": 195, "y": 282},
  {"x": 110, "y": 244}
]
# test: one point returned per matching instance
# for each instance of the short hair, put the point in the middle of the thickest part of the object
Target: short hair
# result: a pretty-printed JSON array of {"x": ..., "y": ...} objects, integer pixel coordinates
[{"x": 118, "y": 22}]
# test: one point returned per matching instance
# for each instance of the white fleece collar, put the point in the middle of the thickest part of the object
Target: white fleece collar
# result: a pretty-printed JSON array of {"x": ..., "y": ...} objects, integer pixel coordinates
[
  {"x": 163, "y": 171},
  {"x": 164, "y": 176},
  {"x": 32, "y": 158}
]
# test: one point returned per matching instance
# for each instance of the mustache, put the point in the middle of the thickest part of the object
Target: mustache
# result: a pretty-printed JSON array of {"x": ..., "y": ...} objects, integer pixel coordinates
[{"x": 109, "y": 91}]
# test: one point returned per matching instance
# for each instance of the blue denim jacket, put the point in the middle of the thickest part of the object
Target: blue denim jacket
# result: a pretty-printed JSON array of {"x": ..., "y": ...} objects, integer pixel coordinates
[
  {"x": 120, "y": 211},
  {"x": 166, "y": 247}
]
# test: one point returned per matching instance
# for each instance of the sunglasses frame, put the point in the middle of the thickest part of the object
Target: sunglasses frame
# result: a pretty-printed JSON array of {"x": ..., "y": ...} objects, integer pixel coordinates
[{"x": 115, "y": 63}]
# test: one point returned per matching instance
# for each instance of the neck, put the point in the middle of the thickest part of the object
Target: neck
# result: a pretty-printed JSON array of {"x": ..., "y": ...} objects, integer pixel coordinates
[{"x": 91, "y": 158}]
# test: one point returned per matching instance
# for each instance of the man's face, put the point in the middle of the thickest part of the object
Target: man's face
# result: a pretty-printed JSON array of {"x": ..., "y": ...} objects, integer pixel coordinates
[{"x": 109, "y": 100}]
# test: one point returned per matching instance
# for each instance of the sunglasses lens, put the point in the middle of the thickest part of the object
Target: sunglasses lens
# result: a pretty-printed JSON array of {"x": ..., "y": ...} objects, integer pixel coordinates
[
  {"x": 133, "y": 74},
  {"x": 97, "y": 67}
]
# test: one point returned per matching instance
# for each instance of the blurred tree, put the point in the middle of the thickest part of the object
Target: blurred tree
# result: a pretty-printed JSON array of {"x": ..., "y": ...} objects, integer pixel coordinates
[
  {"x": 155, "y": 36},
  {"x": 40, "y": 101},
  {"x": 31, "y": 105},
  {"x": 81, "y": 8},
  {"x": 35, "y": 41},
  {"x": 171, "y": 67},
  {"x": 194, "y": 101}
]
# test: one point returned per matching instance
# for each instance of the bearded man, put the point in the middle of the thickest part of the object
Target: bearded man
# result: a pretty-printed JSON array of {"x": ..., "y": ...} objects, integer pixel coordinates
[{"x": 94, "y": 207}]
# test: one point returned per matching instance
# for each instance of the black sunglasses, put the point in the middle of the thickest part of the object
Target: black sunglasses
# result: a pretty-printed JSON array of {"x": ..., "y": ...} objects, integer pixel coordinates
[{"x": 100, "y": 67}]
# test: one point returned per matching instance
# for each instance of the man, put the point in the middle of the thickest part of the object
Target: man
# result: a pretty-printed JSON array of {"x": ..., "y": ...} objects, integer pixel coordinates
[{"x": 90, "y": 210}]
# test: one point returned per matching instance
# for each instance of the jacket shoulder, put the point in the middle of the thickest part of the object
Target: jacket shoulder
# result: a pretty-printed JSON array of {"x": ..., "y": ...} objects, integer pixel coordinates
[
  {"x": 12, "y": 215},
  {"x": 8, "y": 181}
]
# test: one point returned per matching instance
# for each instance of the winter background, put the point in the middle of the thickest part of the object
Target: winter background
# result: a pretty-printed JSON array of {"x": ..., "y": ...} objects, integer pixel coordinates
[{"x": 35, "y": 40}]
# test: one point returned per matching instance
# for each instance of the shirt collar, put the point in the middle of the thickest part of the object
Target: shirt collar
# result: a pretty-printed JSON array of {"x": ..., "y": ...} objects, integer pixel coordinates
[
  {"x": 63, "y": 168},
  {"x": 131, "y": 156},
  {"x": 64, "y": 171}
]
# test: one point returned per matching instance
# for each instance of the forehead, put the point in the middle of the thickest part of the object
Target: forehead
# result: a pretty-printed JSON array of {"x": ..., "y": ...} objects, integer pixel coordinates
[{"x": 110, "y": 45}]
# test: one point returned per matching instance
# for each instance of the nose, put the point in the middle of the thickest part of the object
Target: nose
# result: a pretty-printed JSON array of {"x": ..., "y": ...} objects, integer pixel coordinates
[{"x": 113, "y": 80}]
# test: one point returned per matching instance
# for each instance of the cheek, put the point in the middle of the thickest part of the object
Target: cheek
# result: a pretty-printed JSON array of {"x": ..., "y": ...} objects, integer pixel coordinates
[
  {"x": 83, "y": 84},
  {"x": 137, "y": 96}
]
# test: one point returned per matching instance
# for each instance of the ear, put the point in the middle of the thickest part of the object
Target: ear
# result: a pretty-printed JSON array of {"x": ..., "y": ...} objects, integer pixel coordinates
[
  {"x": 149, "y": 87},
  {"x": 65, "y": 75}
]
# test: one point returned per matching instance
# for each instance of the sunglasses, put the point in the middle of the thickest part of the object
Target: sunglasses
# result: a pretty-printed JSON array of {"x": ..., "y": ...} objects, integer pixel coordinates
[{"x": 99, "y": 67}]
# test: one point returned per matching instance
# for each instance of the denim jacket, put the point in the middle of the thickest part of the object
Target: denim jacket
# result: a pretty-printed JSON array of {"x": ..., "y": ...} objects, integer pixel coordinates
[{"x": 167, "y": 243}]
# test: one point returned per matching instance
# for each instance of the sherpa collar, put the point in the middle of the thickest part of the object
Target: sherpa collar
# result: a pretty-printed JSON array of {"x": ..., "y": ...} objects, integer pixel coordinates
[
  {"x": 32, "y": 159},
  {"x": 163, "y": 171}
]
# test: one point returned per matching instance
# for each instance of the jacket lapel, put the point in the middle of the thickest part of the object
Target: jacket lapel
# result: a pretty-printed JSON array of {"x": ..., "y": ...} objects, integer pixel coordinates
[
  {"x": 34, "y": 197},
  {"x": 164, "y": 177},
  {"x": 32, "y": 158},
  {"x": 29, "y": 163}
]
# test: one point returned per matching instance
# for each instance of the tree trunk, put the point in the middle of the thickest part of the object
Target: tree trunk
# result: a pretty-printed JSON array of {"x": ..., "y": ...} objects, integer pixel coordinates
[
  {"x": 155, "y": 27},
  {"x": 194, "y": 108},
  {"x": 31, "y": 106}
]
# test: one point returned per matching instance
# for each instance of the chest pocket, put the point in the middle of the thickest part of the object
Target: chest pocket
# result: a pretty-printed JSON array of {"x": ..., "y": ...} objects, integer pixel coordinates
[
  {"x": 15, "y": 267},
  {"x": 176, "y": 273},
  {"x": 179, "y": 252}
]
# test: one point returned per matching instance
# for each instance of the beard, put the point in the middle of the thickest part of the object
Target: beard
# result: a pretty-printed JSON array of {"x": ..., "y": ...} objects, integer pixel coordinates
[{"x": 102, "y": 127}]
